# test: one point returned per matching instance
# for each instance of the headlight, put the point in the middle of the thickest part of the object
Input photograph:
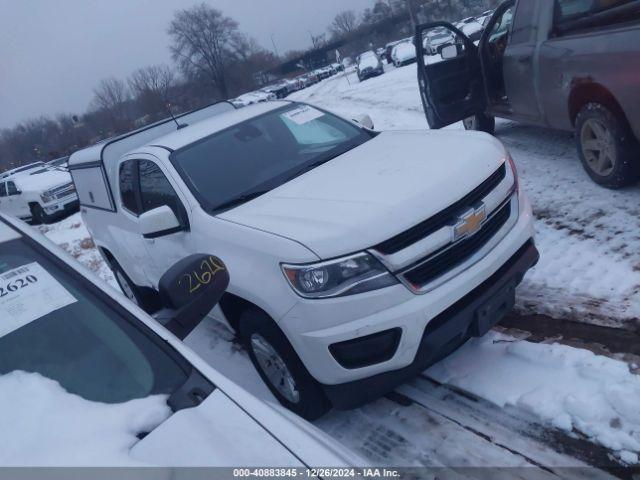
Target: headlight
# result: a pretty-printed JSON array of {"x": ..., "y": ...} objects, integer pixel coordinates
[
  {"x": 342, "y": 276},
  {"x": 46, "y": 197}
]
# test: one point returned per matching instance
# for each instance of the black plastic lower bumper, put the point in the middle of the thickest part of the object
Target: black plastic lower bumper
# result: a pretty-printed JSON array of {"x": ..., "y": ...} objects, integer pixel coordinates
[{"x": 471, "y": 316}]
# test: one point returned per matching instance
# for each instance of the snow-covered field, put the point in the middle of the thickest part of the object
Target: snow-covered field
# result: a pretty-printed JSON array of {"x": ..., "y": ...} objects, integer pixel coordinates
[{"x": 498, "y": 401}]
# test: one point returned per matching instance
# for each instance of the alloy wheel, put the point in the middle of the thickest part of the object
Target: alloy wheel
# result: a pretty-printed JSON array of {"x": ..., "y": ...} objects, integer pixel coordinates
[
  {"x": 599, "y": 147},
  {"x": 126, "y": 287},
  {"x": 274, "y": 368}
]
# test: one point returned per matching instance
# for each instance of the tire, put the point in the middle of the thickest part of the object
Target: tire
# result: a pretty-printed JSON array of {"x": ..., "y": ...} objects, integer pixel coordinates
[
  {"x": 606, "y": 147},
  {"x": 145, "y": 298},
  {"x": 268, "y": 347},
  {"x": 38, "y": 215},
  {"x": 480, "y": 122}
]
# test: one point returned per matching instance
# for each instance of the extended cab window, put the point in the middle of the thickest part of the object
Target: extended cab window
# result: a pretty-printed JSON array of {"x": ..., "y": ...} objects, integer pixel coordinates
[
  {"x": 262, "y": 153},
  {"x": 11, "y": 188},
  {"x": 522, "y": 22},
  {"x": 156, "y": 191},
  {"x": 568, "y": 10},
  {"x": 127, "y": 186},
  {"x": 64, "y": 330}
]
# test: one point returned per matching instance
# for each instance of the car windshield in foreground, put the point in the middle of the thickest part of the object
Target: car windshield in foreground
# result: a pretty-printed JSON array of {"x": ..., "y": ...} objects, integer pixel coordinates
[
  {"x": 53, "y": 324},
  {"x": 251, "y": 158}
]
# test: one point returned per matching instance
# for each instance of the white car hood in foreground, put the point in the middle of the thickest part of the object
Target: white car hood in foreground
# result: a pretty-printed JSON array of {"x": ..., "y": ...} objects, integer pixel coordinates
[
  {"x": 374, "y": 191},
  {"x": 216, "y": 433}
]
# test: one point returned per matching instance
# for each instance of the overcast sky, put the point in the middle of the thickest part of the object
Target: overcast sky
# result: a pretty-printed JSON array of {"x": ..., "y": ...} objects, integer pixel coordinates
[{"x": 53, "y": 52}]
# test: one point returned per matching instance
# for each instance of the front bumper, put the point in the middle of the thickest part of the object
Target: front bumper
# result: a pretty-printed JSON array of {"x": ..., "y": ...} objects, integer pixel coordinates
[
  {"x": 62, "y": 207},
  {"x": 471, "y": 316},
  {"x": 314, "y": 326}
]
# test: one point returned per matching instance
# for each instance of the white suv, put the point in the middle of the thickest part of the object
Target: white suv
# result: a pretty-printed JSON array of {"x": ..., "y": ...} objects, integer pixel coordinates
[{"x": 357, "y": 258}]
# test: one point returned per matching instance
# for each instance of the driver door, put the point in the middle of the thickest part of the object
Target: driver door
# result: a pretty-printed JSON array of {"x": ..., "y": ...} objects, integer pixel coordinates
[{"x": 450, "y": 81}]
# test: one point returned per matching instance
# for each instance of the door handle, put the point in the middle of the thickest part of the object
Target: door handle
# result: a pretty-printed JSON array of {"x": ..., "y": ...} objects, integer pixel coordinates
[{"x": 525, "y": 59}]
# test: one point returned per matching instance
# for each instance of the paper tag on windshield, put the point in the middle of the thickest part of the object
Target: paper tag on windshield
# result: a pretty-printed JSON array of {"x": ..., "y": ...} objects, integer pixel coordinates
[
  {"x": 28, "y": 293},
  {"x": 303, "y": 114}
]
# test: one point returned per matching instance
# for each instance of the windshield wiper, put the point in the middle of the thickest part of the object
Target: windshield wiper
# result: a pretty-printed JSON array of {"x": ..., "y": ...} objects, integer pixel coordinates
[{"x": 239, "y": 200}]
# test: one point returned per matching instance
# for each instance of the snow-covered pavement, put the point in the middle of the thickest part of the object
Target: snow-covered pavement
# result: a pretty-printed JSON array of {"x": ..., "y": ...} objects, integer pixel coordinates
[{"x": 497, "y": 401}]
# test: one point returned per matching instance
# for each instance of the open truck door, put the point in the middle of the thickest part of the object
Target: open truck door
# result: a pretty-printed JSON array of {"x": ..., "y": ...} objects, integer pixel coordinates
[{"x": 449, "y": 74}]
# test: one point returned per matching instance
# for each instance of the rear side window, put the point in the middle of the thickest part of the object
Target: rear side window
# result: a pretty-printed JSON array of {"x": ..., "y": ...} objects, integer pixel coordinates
[
  {"x": 127, "y": 186},
  {"x": 567, "y": 10},
  {"x": 523, "y": 22},
  {"x": 3, "y": 190},
  {"x": 156, "y": 191},
  {"x": 11, "y": 188}
]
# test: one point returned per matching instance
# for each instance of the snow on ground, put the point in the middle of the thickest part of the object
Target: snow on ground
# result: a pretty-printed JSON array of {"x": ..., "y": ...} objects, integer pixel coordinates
[
  {"x": 587, "y": 235},
  {"x": 570, "y": 388},
  {"x": 41, "y": 424},
  {"x": 72, "y": 235}
]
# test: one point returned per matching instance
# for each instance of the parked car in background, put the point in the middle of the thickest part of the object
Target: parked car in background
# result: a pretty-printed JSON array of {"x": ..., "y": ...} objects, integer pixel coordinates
[
  {"x": 336, "y": 296},
  {"x": 253, "y": 97},
  {"x": 435, "y": 40},
  {"x": 472, "y": 29},
  {"x": 279, "y": 90},
  {"x": 368, "y": 65},
  {"x": 40, "y": 196},
  {"x": 23, "y": 169},
  {"x": 387, "y": 50},
  {"x": 549, "y": 63},
  {"x": 403, "y": 53},
  {"x": 78, "y": 342}
]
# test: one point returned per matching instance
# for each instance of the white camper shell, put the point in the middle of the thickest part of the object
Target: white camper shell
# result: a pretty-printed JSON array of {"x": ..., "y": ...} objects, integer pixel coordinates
[{"x": 93, "y": 168}]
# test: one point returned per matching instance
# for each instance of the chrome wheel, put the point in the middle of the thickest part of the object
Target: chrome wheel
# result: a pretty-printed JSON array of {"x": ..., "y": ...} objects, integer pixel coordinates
[
  {"x": 274, "y": 368},
  {"x": 126, "y": 287},
  {"x": 598, "y": 147}
]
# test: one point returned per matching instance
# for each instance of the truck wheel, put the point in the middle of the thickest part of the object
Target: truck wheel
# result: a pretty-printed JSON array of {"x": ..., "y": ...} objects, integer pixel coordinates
[
  {"x": 38, "y": 216},
  {"x": 606, "y": 147},
  {"x": 480, "y": 122},
  {"x": 144, "y": 298},
  {"x": 280, "y": 367}
]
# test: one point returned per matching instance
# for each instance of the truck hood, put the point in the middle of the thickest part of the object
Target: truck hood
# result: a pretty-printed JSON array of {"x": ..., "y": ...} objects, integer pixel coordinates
[
  {"x": 374, "y": 191},
  {"x": 42, "y": 181}
]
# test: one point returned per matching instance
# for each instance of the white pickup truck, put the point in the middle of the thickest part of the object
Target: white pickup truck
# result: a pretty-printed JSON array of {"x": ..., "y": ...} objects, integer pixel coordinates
[
  {"x": 357, "y": 258},
  {"x": 41, "y": 195}
]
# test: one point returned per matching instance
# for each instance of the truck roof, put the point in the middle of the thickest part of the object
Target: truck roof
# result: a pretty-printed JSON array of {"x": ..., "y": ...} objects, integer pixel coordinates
[
  {"x": 94, "y": 168},
  {"x": 185, "y": 136}
]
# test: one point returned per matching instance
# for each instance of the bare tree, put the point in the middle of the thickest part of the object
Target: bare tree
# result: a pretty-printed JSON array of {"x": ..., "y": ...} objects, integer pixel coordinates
[
  {"x": 202, "y": 43},
  {"x": 111, "y": 96},
  {"x": 151, "y": 86},
  {"x": 318, "y": 41},
  {"x": 344, "y": 24}
]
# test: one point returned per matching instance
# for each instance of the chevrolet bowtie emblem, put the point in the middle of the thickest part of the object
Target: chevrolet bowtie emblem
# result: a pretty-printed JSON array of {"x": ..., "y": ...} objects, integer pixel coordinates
[{"x": 469, "y": 223}]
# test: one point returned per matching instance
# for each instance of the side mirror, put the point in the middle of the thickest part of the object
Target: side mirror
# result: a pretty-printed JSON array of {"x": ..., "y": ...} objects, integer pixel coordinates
[
  {"x": 189, "y": 290},
  {"x": 364, "y": 120},
  {"x": 158, "y": 222},
  {"x": 450, "y": 51}
]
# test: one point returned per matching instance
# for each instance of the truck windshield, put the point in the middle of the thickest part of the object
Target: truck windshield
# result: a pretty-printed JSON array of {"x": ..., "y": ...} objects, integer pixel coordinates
[
  {"x": 260, "y": 154},
  {"x": 54, "y": 324}
]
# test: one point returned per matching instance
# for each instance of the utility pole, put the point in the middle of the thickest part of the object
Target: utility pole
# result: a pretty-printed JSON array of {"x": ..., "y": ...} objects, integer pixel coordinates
[
  {"x": 275, "y": 49},
  {"x": 412, "y": 13}
]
